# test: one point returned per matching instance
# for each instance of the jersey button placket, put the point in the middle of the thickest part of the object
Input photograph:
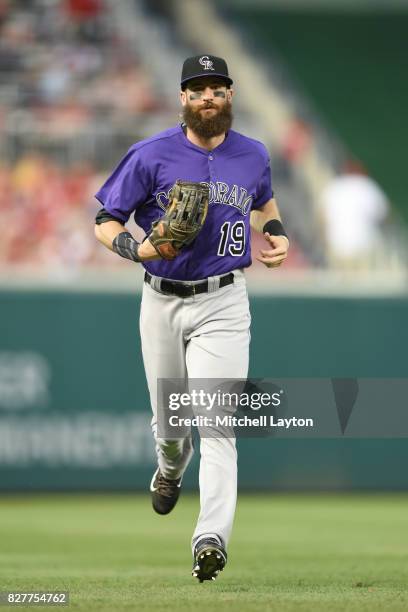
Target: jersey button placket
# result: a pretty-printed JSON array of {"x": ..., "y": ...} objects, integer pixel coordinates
[{"x": 210, "y": 166}]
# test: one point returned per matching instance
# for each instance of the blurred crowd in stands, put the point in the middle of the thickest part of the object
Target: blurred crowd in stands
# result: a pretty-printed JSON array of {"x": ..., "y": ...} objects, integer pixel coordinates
[
  {"x": 63, "y": 61},
  {"x": 47, "y": 213},
  {"x": 63, "y": 67}
]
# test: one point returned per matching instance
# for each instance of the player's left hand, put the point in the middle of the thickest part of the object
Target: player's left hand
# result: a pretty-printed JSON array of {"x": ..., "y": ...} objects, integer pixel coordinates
[{"x": 275, "y": 256}]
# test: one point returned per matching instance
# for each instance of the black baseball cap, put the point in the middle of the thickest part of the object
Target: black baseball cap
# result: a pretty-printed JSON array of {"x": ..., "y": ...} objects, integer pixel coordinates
[{"x": 204, "y": 65}]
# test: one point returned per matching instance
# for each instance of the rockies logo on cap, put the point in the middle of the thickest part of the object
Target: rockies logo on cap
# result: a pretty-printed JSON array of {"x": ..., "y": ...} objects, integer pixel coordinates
[
  {"x": 206, "y": 62},
  {"x": 204, "y": 65}
]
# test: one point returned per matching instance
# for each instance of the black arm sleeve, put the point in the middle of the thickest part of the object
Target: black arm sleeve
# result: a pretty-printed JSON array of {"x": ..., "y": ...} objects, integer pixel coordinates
[
  {"x": 103, "y": 216},
  {"x": 126, "y": 246}
]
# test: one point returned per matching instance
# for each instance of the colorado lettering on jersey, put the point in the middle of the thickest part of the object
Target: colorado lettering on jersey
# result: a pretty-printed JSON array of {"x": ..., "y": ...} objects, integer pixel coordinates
[{"x": 220, "y": 193}]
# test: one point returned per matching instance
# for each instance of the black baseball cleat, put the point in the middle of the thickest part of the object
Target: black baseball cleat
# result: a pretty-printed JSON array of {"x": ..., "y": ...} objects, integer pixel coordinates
[
  {"x": 209, "y": 559},
  {"x": 165, "y": 492}
]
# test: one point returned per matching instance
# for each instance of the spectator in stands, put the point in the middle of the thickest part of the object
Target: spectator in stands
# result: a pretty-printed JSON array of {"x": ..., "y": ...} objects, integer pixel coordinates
[{"x": 354, "y": 208}]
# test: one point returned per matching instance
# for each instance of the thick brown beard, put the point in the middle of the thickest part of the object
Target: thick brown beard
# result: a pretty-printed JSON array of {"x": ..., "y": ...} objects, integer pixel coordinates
[{"x": 206, "y": 128}]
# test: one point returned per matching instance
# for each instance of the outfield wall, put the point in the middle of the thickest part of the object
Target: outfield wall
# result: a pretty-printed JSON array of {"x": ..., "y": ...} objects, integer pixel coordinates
[{"x": 74, "y": 408}]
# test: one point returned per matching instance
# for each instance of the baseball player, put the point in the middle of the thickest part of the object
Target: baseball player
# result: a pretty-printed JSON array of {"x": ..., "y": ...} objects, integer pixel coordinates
[{"x": 194, "y": 320}]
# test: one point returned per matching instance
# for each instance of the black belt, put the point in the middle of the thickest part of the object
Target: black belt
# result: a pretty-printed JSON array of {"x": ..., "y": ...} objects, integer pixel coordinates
[{"x": 183, "y": 290}]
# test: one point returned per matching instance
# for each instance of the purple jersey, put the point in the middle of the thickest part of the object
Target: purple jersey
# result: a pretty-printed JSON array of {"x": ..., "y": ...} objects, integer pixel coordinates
[{"x": 239, "y": 177}]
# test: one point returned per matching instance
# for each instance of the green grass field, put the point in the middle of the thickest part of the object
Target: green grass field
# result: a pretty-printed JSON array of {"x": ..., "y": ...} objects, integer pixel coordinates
[{"x": 288, "y": 552}]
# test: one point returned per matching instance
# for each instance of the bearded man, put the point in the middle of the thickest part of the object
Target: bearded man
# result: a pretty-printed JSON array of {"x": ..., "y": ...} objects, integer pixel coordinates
[{"x": 194, "y": 319}]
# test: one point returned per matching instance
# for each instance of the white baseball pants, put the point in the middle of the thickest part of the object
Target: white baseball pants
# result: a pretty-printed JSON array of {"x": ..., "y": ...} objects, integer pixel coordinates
[{"x": 205, "y": 336}]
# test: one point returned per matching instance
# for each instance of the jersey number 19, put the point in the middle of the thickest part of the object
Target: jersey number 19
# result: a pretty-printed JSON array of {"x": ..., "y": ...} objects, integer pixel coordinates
[{"x": 236, "y": 233}]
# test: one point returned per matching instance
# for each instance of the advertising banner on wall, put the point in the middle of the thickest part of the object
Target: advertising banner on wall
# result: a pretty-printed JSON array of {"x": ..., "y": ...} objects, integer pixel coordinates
[{"x": 75, "y": 411}]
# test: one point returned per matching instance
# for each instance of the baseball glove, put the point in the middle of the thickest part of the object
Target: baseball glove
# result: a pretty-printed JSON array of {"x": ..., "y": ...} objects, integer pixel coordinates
[{"x": 183, "y": 219}]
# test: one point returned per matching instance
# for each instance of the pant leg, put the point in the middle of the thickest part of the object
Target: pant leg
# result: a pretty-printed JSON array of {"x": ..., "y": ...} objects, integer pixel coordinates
[
  {"x": 163, "y": 348},
  {"x": 219, "y": 348}
]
